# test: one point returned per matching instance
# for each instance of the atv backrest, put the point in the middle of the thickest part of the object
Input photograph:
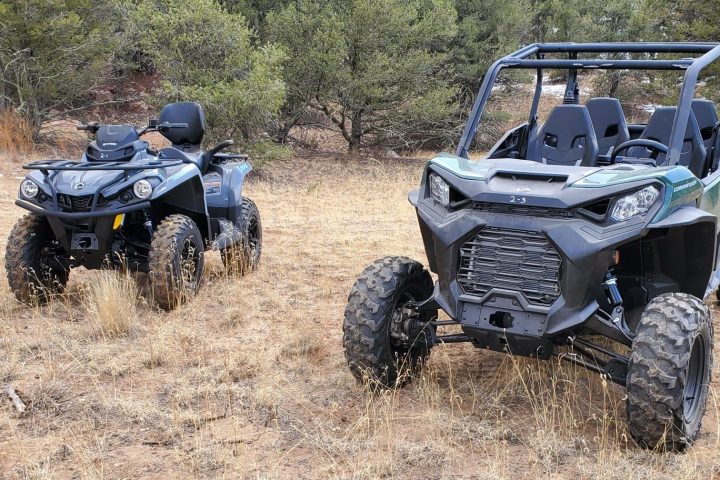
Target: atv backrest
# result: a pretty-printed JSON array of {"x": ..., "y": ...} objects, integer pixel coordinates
[
  {"x": 609, "y": 123},
  {"x": 566, "y": 138},
  {"x": 190, "y": 137},
  {"x": 692, "y": 155}
]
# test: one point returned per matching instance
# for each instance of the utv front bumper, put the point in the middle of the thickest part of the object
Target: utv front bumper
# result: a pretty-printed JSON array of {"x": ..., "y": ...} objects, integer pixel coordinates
[{"x": 519, "y": 278}]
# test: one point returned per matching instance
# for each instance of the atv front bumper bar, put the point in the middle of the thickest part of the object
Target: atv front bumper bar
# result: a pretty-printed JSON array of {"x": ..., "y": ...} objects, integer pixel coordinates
[{"x": 80, "y": 215}]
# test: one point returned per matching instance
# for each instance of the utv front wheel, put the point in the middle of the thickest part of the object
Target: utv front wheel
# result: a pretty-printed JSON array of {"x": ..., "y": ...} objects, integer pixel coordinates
[
  {"x": 244, "y": 256},
  {"x": 384, "y": 339},
  {"x": 33, "y": 269},
  {"x": 176, "y": 261},
  {"x": 669, "y": 372}
]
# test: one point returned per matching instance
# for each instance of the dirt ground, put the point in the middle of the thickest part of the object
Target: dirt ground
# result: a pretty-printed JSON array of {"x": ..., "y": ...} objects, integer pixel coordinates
[{"x": 249, "y": 379}]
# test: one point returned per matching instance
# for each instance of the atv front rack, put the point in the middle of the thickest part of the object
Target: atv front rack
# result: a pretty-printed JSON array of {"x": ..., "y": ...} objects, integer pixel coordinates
[
  {"x": 54, "y": 165},
  {"x": 46, "y": 166}
]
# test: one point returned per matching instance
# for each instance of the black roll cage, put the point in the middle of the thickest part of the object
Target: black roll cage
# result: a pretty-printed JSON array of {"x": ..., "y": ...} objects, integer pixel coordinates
[{"x": 533, "y": 57}]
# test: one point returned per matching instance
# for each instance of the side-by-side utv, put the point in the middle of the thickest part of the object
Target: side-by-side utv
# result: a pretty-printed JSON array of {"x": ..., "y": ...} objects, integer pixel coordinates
[
  {"x": 125, "y": 205},
  {"x": 577, "y": 228}
]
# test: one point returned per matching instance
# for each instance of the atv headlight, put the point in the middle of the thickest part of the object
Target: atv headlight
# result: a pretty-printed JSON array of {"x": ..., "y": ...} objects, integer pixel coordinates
[
  {"x": 29, "y": 189},
  {"x": 634, "y": 204},
  {"x": 142, "y": 189},
  {"x": 439, "y": 189}
]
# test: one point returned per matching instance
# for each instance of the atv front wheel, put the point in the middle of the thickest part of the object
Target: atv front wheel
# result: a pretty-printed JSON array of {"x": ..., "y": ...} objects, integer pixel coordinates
[
  {"x": 176, "y": 261},
  {"x": 244, "y": 256},
  {"x": 384, "y": 339},
  {"x": 669, "y": 372},
  {"x": 33, "y": 269}
]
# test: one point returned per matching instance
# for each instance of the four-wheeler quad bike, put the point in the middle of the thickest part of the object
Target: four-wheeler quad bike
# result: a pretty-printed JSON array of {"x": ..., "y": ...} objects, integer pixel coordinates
[
  {"x": 127, "y": 206},
  {"x": 579, "y": 228}
]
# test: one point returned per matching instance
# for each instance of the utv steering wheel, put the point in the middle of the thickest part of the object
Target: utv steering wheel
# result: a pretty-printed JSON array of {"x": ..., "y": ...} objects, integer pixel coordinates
[{"x": 656, "y": 147}]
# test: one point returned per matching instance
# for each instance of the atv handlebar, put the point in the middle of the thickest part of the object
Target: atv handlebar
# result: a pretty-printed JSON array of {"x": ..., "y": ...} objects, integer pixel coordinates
[{"x": 155, "y": 126}]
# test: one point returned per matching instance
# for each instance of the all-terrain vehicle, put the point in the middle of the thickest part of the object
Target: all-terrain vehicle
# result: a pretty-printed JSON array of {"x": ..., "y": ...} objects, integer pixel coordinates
[
  {"x": 581, "y": 228},
  {"x": 127, "y": 206}
]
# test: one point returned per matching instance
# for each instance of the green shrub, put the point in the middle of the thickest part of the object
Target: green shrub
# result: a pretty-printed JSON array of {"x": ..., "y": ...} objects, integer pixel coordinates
[
  {"x": 54, "y": 54},
  {"x": 205, "y": 54}
]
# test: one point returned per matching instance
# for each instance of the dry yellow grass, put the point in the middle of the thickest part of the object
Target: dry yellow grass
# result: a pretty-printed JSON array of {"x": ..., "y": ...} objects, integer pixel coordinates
[
  {"x": 15, "y": 135},
  {"x": 111, "y": 303},
  {"x": 249, "y": 380}
]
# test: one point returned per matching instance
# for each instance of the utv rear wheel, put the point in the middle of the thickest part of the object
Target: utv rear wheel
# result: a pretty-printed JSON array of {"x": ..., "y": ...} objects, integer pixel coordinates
[
  {"x": 31, "y": 261},
  {"x": 378, "y": 346},
  {"x": 669, "y": 372},
  {"x": 244, "y": 256},
  {"x": 176, "y": 261}
]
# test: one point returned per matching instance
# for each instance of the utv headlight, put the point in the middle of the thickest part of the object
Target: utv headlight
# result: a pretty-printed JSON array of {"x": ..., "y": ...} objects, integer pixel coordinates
[
  {"x": 634, "y": 204},
  {"x": 142, "y": 189},
  {"x": 29, "y": 189},
  {"x": 439, "y": 189}
]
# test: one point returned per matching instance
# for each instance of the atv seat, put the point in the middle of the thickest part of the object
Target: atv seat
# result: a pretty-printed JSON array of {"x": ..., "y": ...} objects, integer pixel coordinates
[
  {"x": 693, "y": 154},
  {"x": 185, "y": 141},
  {"x": 609, "y": 123},
  {"x": 566, "y": 138},
  {"x": 707, "y": 120},
  {"x": 195, "y": 156}
]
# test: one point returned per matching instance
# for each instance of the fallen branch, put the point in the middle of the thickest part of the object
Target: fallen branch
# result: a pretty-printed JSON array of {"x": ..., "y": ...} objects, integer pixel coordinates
[{"x": 13, "y": 396}]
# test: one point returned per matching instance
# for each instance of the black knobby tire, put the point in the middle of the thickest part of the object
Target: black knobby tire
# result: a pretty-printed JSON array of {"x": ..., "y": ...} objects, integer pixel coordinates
[
  {"x": 176, "y": 261},
  {"x": 33, "y": 275},
  {"x": 669, "y": 372},
  {"x": 381, "y": 289},
  {"x": 244, "y": 256}
]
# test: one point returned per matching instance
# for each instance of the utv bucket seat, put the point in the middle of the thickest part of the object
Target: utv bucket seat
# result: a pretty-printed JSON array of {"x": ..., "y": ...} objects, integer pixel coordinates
[
  {"x": 566, "y": 138},
  {"x": 693, "y": 154},
  {"x": 185, "y": 141},
  {"x": 707, "y": 118},
  {"x": 609, "y": 123}
]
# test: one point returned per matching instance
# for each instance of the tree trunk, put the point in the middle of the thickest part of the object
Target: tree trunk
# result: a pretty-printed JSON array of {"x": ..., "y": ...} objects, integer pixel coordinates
[
  {"x": 356, "y": 131},
  {"x": 282, "y": 133}
]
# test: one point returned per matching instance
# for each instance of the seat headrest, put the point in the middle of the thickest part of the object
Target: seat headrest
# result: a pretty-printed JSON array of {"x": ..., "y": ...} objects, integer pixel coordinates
[
  {"x": 659, "y": 128},
  {"x": 660, "y": 124},
  {"x": 566, "y": 138},
  {"x": 608, "y": 121},
  {"x": 706, "y": 116},
  {"x": 184, "y": 112}
]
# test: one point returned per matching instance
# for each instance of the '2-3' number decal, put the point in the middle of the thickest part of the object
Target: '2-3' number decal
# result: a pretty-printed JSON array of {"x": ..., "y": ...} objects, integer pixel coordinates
[{"x": 514, "y": 199}]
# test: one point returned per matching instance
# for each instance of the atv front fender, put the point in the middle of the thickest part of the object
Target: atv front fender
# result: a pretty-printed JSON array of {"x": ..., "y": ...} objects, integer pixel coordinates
[{"x": 182, "y": 192}]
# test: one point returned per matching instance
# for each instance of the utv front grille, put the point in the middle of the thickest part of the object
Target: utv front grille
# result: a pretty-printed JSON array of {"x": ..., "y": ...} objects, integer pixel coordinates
[
  {"x": 79, "y": 203},
  {"x": 514, "y": 260},
  {"x": 525, "y": 210}
]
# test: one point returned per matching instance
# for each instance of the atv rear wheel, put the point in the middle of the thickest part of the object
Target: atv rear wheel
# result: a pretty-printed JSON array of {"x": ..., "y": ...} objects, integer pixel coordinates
[
  {"x": 377, "y": 348},
  {"x": 176, "y": 261},
  {"x": 31, "y": 261},
  {"x": 244, "y": 256},
  {"x": 669, "y": 372}
]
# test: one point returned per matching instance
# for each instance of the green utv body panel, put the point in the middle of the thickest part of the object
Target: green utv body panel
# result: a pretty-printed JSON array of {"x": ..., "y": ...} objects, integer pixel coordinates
[
  {"x": 710, "y": 201},
  {"x": 681, "y": 186}
]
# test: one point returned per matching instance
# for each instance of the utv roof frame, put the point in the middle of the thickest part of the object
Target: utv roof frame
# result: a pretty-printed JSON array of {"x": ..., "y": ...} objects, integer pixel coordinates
[{"x": 533, "y": 57}]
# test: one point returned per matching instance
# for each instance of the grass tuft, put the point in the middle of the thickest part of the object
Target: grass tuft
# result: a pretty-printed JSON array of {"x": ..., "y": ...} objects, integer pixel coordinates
[
  {"x": 111, "y": 304},
  {"x": 15, "y": 135}
]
